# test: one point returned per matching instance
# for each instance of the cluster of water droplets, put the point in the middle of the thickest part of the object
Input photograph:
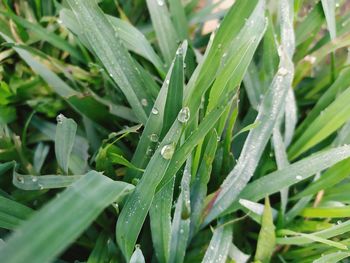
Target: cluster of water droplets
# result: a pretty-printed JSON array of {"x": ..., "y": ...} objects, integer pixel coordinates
[{"x": 60, "y": 118}]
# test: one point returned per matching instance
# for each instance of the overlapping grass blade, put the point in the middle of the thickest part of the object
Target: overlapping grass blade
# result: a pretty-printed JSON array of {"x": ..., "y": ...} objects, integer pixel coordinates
[
  {"x": 329, "y": 12},
  {"x": 272, "y": 104},
  {"x": 12, "y": 213},
  {"x": 164, "y": 28},
  {"x": 117, "y": 61},
  {"x": 137, "y": 256},
  {"x": 75, "y": 210},
  {"x": 332, "y": 257}
]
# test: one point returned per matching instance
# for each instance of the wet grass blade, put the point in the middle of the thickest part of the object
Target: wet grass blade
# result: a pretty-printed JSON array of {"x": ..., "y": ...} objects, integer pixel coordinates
[
  {"x": 76, "y": 212},
  {"x": 12, "y": 213},
  {"x": 117, "y": 61}
]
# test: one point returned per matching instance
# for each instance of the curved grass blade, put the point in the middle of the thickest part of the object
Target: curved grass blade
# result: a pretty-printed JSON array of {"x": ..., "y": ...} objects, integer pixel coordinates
[
  {"x": 12, "y": 213},
  {"x": 219, "y": 245},
  {"x": 40, "y": 155},
  {"x": 117, "y": 61},
  {"x": 266, "y": 240},
  {"x": 237, "y": 255},
  {"x": 292, "y": 174},
  {"x": 64, "y": 140},
  {"x": 272, "y": 104},
  {"x": 76, "y": 212},
  {"x": 329, "y": 12},
  {"x": 32, "y": 182}
]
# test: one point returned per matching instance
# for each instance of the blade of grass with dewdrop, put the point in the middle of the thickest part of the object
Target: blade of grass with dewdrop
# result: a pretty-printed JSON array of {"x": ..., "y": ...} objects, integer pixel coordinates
[
  {"x": 152, "y": 179},
  {"x": 12, "y": 213},
  {"x": 115, "y": 58},
  {"x": 219, "y": 245},
  {"x": 46, "y": 35},
  {"x": 131, "y": 37},
  {"x": 164, "y": 28},
  {"x": 272, "y": 104},
  {"x": 332, "y": 118},
  {"x": 180, "y": 227},
  {"x": 292, "y": 174},
  {"x": 64, "y": 140},
  {"x": 76, "y": 212},
  {"x": 33, "y": 182},
  {"x": 154, "y": 124},
  {"x": 266, "y": 239}
]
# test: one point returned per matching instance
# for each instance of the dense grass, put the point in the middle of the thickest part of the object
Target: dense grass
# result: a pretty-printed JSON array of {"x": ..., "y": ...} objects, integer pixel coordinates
[{"x": 129, "y": 135}]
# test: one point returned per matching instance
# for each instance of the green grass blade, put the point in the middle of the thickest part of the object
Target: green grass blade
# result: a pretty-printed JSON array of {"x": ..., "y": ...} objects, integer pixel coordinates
[
  {"x": 329, "y": 12},
  {"x": 237, "y": 255},
  {"x": 64, "y": 140},
  {"x": 326, "y": 212},
  {"x": 266, "y": 240},
  {"x": 293, "y": 174},
  {"x": 75, "y": 210},
  {"x": 164, "y": 28},
  {"x": 117, "y": 61},
  {"x": 256, "y": 141},
  {"x": 180, "y": 228},
  {"x": 219, "y": 245},
  {"x": 32, "y": 182},
  {"x": 332, "y": 257},
  {"x": 40, "y": 155},
  {"x": 46, "y": 35},
  {"x": 178, "y": 15},
  {"x": 12, "y": 213},
  {"x": 332, "y": 118},
  {"x": 160, "y": 220}
]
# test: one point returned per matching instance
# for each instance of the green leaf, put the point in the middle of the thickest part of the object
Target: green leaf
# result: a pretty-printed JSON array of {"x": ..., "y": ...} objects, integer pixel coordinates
[
  {"x": 76, "y": 208},
  {"x": 64, "y": 140},
  {"x": 332, "y": 257},
  {"x": 40, "y": 155},
  {"x": 266, "y": 240},
  {"x": 119, "y": 159}
]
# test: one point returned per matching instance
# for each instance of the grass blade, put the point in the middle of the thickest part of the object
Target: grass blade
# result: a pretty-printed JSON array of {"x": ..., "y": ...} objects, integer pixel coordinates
[
  {"x": 64, "y": 140},
  {"x": 76, "y": 211},
  {"x": 137, "y": 256},
  {"x": 266, "y": 240},
  {"x": 12, "y": 213}
]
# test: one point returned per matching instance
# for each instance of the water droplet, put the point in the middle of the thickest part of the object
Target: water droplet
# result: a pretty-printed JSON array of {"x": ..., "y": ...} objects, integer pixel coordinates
[
  {"x": 135, "y": 181},
  {"x": 41, "y": 187},
  {"x": 160, "y": 2},
  {"x": 179, "y": 51},
  {"x": 144, "y": 102},
  {"x": 20, "y": 179},
  {"x": 167, "y": 151},
  {"x": 184, "y": 115},
  {"x": 154, "y": 137},
  {"x": 59, "y": 21},
  {"x": 339, "y": 222},
  {"x": 59, "y": 118},
  {"x": 167, "y": 81},
  {"x": 219, "y": 46},
  {"x": 282, "y": 71},
  {"x": 34, "y": 179},
  {"x": 155, "y": 111},
  {"x": 111, "y": 75},
  {"x": 299, "y": 177}
]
